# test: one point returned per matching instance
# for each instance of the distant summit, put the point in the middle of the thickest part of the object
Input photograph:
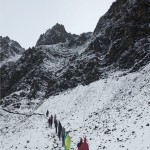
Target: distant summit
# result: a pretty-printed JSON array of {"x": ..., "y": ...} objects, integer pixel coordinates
[
  {"x": 59, "y": 28},
  {"x": 57, "y": 34},
  {"x": 9, "y": 48}
]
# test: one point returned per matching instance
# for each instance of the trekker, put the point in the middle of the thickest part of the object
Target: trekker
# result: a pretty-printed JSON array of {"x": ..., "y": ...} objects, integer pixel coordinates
[
  {"x": 67, "y": 141},
  {"x": 51, "y": 120},
  {"x": 59, "y": 130},
  {"x": 55, "y": 122},
  {"x": 63, "y": 137},
  {"x": 84, "y": 146},
  {"x": 79, "y": 144},
  {"x": 55, "y": 117},
  {"x": 47, "y": 113}
]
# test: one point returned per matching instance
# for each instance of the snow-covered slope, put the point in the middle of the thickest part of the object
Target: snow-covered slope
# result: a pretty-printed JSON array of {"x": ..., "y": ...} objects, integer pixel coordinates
[{"x": 112, "y": 113}]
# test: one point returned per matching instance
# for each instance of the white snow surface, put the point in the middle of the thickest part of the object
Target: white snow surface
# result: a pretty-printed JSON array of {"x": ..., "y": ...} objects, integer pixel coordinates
[{"x": 113, "y": 113}]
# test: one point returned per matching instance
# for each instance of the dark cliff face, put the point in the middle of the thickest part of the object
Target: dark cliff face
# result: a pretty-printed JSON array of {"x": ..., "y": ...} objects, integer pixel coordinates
[
  {"x": 34, "y": 72},
  {"x": 125, "y": 13},
  {"x": 121, "y": 40},
  {"x": 9, "y": 48},
  {"x": 123, "y": 33},
  {"x": 10, "y": 76},
  {"x": 79, "y": 40}
]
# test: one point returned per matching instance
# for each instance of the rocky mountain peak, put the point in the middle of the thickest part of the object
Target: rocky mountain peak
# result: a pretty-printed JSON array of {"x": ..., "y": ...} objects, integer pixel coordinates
[
  {"x": 5, "y": 38},
  {"x": 9, "y": 48},
  {"x": 59, "y": 28},
  {"x": 57, "y": 34}
]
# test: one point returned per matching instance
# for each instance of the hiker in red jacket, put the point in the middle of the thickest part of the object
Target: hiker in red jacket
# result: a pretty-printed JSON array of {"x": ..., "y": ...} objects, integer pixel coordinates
[
  {"x": 84, "y": 145},
  {"x": 79, "y": 144}
]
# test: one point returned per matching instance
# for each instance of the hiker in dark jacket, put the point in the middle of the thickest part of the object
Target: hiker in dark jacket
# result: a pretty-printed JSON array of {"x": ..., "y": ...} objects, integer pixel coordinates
[
  {"x": 47, "y": 113},
  {"x": 63, "y": 136},
  {"x": 59, "y": 130},
  {"x": 55, "y": 122},
  {"x": 79, "y": 144},
  {"x": 51, "y": 120}
]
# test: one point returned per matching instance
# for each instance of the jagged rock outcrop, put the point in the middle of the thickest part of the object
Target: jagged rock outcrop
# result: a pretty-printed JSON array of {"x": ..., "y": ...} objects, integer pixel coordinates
[
  {"x": 9, "y": 48},
  {"x": 34, "y": 71},
  {"x": 123, "y": 33},
  {"x": 57, "y": 34},
  {"x": 80, "y": 40}
]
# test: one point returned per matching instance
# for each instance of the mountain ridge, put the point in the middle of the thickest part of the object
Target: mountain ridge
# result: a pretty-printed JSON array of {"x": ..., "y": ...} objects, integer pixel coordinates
[{"x": 62, "y": 61}]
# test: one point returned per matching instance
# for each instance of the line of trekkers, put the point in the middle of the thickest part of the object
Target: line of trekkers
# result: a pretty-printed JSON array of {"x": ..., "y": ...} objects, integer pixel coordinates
[{"x": 64, "y": 135}]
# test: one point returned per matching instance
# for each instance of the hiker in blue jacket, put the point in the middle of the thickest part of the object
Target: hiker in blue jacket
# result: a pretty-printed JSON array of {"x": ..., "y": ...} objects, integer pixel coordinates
[{"x": 63, "y": 136}]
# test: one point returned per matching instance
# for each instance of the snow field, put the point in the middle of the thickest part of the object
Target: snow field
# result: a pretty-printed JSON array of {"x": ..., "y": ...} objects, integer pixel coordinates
[{"x": 112, "y": 113}]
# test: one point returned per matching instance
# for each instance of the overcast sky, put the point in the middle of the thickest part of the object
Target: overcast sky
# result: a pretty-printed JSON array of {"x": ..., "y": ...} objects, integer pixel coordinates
[{"x": 25, "y": 20}]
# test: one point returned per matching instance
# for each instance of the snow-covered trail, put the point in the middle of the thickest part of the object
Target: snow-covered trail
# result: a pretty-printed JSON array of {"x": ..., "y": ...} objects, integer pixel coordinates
[{"x": 113, "y": 113}]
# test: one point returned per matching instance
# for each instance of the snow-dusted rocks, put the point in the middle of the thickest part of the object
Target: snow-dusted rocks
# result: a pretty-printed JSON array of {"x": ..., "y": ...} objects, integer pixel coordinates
[
  {"x": 120, "y": 30},
  {"x": 55, "y": 35},
  {"x": 58, "y": 34},
  {"x": 10, "y": 50}
]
